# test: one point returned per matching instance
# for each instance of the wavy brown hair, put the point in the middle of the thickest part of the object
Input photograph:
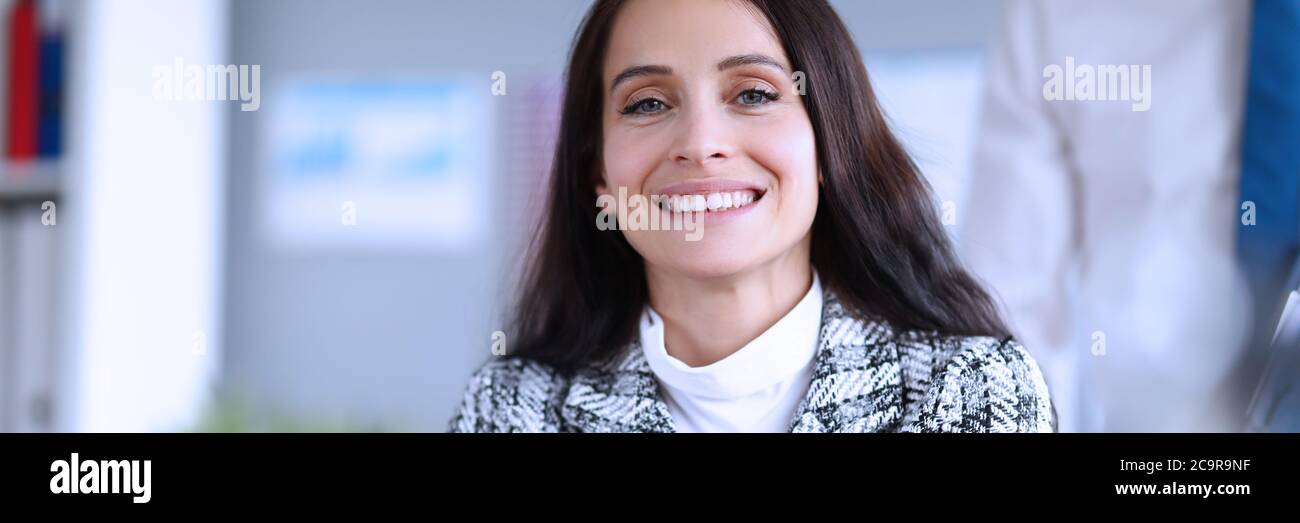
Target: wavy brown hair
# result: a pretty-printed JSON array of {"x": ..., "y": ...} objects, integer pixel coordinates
[{"x": 876, "y": 239}]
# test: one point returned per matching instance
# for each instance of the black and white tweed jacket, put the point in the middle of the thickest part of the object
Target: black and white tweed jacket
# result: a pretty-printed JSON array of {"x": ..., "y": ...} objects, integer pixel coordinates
[{"x": 867, "y": 378}]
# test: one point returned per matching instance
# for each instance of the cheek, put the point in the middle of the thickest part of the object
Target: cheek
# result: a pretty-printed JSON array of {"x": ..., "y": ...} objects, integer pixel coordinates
[
  {"x": 628, "y": 160},
  {"x": 789, "y": 150}
]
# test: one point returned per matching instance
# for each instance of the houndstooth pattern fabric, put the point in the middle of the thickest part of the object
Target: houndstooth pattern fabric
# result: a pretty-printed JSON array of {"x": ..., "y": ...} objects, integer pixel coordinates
[{"x": 867, "y": 378}]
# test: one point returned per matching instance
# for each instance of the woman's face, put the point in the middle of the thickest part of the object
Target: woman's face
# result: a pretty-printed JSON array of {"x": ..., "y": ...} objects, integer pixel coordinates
[{"x": 701, "y": 107}]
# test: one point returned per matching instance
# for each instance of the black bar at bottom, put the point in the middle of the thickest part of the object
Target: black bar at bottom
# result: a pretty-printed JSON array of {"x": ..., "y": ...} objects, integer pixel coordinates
[{"x": 324, "y": 471}]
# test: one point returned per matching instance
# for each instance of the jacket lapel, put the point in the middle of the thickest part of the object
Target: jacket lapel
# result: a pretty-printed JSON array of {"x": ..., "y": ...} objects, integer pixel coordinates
[
  {"x": 621, "y": 395},
  {"x": 857, "y": 380},
  {"x": 856, "y": 385}
]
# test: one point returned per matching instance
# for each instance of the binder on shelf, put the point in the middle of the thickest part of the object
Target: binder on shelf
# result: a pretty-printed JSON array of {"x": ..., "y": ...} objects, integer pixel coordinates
[
  {"x": 49, "y": 126},
  {"x": 33, "y": 286},
  {"x": 22, "y": 77}
]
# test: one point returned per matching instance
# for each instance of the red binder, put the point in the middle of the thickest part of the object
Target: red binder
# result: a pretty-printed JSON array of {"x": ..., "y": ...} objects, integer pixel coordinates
[{"x": 23, "y": 103}]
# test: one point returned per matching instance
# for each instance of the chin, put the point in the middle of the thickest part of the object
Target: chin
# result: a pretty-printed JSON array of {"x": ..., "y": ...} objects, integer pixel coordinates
[
  {"x": 708, "y": 258},
  {"x": 723, "y": 267}
]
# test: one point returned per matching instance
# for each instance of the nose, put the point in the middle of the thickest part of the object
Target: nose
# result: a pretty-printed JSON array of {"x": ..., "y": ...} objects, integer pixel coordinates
[{"x": 704, "y": 138}]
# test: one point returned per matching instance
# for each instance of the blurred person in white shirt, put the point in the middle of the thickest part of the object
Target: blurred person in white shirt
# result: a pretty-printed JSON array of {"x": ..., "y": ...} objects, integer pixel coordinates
[{"x": 1106, "y": 225}]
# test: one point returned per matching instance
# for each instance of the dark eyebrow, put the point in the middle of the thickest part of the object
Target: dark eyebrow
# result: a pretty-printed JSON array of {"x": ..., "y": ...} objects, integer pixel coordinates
[
  {"x": 750, "y": 59},
  {"x": 726, "y": 63},
  {"x": 639, "y": 70}
]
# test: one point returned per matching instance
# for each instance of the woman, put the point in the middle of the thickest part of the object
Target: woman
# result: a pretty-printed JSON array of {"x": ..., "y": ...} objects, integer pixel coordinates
[{"x": 816, "y": 293}]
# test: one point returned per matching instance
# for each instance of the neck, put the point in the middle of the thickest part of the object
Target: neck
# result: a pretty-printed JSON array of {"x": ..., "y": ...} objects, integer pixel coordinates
[{"x": 708, "y": 319}]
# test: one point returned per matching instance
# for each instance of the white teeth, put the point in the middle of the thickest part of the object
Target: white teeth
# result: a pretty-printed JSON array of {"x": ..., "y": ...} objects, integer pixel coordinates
[
  {"x": 715, "y": 201},
  {"x": 718, "y": 201},
  {"x": 698, "y": 203}
]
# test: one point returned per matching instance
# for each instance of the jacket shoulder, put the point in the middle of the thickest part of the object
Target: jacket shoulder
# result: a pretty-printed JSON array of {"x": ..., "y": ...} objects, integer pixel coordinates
[
  {"x": 973, "y": 384},
  {"x": 510, "y": 394}
]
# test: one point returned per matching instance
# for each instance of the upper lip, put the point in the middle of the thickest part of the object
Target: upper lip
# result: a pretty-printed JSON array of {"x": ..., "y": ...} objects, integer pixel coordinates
[{"x": 706, "y": 186}]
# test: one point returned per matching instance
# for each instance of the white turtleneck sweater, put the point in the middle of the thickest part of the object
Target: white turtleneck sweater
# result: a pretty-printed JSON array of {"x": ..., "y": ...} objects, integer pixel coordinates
[{"x": 755, "y": 389}]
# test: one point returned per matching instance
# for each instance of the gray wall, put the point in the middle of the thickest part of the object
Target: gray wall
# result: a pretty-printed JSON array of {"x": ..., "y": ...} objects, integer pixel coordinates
[{"x": 389, "y": 340}]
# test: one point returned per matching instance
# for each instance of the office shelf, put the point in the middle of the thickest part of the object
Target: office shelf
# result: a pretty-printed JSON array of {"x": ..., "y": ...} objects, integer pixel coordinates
[{"x": 25, "y": 181}]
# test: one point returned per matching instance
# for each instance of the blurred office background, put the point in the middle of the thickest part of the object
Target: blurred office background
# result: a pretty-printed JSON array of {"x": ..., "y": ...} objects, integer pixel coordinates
[{"x": 200, "y": 275}]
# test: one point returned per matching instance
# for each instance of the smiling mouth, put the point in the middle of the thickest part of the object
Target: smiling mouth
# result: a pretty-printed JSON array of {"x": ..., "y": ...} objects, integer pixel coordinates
[{"x": 709, "y": 202}]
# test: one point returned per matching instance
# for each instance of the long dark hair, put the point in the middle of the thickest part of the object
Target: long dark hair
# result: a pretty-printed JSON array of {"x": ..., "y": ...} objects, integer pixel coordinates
[{"x": 876, "y": 241}]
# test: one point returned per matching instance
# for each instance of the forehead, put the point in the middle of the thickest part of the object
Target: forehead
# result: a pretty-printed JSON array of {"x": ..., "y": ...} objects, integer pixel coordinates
[{"x": 688, "y": 35}]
